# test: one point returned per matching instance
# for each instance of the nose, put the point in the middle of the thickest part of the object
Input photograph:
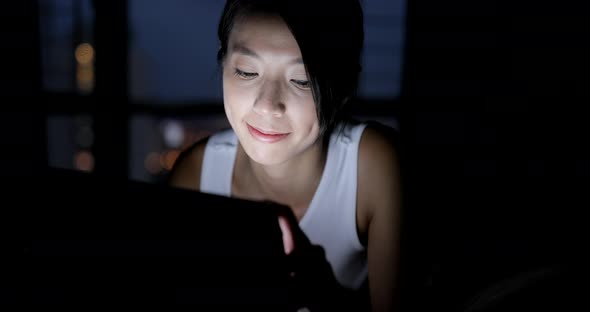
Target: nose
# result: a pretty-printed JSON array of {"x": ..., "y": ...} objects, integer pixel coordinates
[{"x": 269, "y": 101}]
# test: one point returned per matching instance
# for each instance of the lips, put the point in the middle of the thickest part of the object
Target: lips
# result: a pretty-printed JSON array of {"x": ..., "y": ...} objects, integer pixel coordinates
[{"x": 266, "y": 136}]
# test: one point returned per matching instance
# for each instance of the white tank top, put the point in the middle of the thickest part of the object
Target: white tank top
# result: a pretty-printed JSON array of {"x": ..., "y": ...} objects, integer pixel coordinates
[{"x": 330, "y": 220}]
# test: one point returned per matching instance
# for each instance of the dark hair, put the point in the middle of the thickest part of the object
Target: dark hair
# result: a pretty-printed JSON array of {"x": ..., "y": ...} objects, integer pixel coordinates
[{"x": 330, "y": 36}]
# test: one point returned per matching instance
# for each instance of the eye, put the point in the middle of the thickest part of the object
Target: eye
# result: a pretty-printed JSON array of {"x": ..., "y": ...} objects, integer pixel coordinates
[
  {"x": 245, "y": 75},
  {"x": 303, "y": 84}
]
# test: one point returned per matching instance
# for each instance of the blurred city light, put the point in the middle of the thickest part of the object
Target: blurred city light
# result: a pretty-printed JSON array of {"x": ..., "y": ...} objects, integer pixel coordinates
[{"x": 84, "y": 161}]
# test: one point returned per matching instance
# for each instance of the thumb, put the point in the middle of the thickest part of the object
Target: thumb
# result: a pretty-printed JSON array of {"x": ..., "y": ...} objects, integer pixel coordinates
[{"x": 288, "y": 239}]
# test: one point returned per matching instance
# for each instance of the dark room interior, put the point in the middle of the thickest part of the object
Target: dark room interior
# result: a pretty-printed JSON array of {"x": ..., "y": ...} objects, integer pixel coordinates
[{"x": 486, "y": 98}]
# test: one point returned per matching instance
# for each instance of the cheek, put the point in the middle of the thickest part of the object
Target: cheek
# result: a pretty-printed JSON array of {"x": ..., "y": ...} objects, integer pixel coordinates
[
  {"x": 235, "y": 101},
  {"x": 305, "y": 117},
  {"x": 308, "y": 114}
]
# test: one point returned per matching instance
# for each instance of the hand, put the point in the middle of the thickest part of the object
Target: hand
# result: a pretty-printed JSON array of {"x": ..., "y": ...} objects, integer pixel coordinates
[{"x": 313, "y": 283}]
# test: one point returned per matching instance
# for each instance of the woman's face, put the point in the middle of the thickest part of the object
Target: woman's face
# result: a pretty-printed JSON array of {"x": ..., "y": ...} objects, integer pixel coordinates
[{"x": 267, "y": 96}]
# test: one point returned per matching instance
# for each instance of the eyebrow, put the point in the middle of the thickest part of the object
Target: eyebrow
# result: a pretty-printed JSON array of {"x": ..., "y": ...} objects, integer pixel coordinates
[{"x": 241, "y": 49}]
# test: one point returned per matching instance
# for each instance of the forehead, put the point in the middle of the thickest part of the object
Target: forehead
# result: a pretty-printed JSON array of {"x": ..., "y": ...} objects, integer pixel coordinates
[{"x": 263, "y": 32}]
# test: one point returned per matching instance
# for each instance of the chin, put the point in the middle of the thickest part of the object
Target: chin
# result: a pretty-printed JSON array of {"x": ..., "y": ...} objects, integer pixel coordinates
[{"x": 266, "y": 155}]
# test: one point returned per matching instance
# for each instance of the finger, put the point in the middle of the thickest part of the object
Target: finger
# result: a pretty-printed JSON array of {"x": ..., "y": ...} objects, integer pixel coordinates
[{"x": 288, "y": 240}]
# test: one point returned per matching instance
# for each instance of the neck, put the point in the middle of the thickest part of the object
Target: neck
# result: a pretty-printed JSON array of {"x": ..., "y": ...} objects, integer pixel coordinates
[{"x": 294, "y": 182}]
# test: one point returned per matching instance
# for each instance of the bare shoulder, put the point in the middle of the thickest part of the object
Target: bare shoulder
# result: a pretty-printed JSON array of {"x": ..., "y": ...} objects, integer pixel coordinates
[
  {"x": 378, "y": 169},
  {"x": 378, "y": 142},
  {"x": 380, "y": 190},
  {"x": 186, "y": 172}
]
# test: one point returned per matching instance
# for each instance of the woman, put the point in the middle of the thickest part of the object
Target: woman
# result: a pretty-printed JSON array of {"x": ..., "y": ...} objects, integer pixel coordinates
[{"x": 289, "y": 69}]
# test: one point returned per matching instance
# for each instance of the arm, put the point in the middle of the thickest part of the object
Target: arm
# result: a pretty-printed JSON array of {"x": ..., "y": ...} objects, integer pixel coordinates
[
  {"x": 186, "y": 172},
  {"x": 380, "y": 194}
]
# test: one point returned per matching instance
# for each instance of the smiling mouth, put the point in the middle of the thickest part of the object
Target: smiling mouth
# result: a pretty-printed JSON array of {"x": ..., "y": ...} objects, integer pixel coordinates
[{"x": 265, "y": 135}]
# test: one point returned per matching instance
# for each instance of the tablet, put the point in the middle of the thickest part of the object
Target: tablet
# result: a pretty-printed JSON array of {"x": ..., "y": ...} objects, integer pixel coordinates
[{"x": 100, "y": 241}]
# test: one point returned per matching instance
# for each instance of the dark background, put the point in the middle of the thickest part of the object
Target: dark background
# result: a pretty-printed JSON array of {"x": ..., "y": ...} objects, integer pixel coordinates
[{"x": 490, "y": 111}]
